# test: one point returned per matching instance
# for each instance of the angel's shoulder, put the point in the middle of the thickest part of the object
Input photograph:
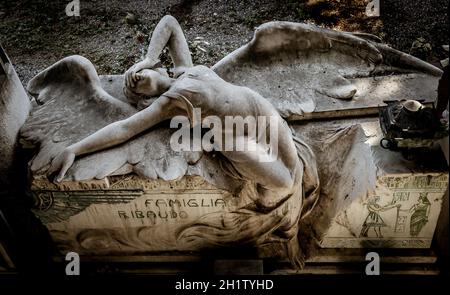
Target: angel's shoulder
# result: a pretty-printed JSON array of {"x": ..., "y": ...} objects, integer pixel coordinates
[
  {"x": 198, "y": 71},
  {"x": 200, "y": 68}
]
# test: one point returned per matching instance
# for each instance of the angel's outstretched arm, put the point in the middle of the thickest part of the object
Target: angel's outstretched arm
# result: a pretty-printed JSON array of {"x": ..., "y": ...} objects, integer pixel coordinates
[
  {"x": 168, "y": 33},
  {"x": 115, "y": 133}
]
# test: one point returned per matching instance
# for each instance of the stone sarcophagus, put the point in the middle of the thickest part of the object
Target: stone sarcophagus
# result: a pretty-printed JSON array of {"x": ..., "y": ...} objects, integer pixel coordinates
[
  {"x": 402, "y": 212},
  {"x": 371, "y": 198},
  {"x": 125, "y": 214}
]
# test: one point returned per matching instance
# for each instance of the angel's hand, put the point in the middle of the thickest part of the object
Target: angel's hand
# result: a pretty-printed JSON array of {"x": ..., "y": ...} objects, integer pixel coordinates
[
  {"x": 62, "y": 163},
  {"x": 131, "y": 76}
]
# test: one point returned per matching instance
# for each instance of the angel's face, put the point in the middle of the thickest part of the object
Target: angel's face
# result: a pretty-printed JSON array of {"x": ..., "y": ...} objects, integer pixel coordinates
[{"x": 151, "y": 82}]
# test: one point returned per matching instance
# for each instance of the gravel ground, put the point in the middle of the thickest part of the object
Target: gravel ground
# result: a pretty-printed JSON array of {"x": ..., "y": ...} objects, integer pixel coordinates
[{"x": 113, "y": 34}]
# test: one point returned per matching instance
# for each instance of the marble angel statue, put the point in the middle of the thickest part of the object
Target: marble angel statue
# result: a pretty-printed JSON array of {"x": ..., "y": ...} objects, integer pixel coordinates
[{"x": 287, "y": 71}]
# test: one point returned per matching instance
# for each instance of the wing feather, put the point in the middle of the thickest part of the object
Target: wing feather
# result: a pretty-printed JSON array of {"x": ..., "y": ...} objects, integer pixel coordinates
[{"x": 303, "y": 69}]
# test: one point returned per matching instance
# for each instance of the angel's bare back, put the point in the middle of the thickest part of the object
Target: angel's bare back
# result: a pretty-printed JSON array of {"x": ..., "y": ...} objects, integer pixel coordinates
[{"x": 201, "y": 88}]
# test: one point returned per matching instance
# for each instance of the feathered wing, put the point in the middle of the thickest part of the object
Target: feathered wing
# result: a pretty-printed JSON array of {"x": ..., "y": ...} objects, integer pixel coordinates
[
  {"x": 303, "y": 69},
  {"x": 71, "y": 104}
]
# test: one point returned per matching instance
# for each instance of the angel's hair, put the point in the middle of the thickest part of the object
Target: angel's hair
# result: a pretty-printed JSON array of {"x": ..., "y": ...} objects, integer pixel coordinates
[{"x": 146, "y": 90}]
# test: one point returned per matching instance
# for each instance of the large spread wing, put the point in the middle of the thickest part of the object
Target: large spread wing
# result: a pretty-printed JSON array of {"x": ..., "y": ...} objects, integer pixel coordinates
[
  {"x": 306, "y": 71},
  {"x": 70, "y": 105}
]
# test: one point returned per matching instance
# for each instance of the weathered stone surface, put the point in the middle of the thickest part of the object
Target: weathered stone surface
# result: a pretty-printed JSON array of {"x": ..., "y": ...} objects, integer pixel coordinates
[
  {"x": 126, "y": 214},
  {"x": 379, "y": 207},
  {"x": 410, "y": 223}
]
